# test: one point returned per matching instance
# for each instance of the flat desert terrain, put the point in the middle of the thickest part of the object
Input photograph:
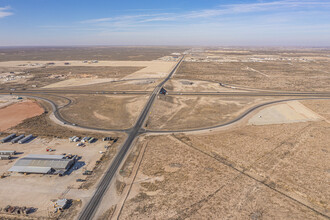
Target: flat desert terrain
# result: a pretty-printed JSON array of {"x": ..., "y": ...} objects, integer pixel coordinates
[
  {"x": 87, "y": 53},
  {"x": 273, "y": 70},
  {"x": 104, "y": 111},
  {"x": 194, "y": 156},
  {"x": 193, "y": 112},
  {"x": 253, "y": 172}
]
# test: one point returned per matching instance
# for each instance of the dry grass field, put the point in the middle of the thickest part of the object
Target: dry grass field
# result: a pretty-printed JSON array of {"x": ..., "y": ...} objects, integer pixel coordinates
[
  {"x": 272, "y": 164},
  {"x": 253, "y": 172},
  {"x": 189, "y": 112},
  {"x": 87, "y": 53},
  {"x": 45, "y": 126},
  {"x": 272, "y": 68},
  {"x": 104, "y": 111},
  {"x": 266, "y": 75}
]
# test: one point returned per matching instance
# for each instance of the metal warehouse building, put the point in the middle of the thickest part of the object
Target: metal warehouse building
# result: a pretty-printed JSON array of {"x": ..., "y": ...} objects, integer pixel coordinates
[{"x": 44, "y": 164}]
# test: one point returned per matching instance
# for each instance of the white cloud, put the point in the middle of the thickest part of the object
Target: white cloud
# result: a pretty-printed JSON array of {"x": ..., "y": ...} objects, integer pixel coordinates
[
  {"x": 262, "y": 22},
  {"x": 231, "y": 9},
  {"x": 4, "y": 12}
]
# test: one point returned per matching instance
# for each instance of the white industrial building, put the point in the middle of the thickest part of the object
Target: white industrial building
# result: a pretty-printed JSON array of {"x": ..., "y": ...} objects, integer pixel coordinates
[{"x": 43, "y": 164}]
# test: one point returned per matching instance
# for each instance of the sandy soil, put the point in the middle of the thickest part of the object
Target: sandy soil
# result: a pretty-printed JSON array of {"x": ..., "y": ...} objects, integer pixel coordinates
[
  {"x": 195, "y": 177},
  {"x": 46, "y": 126},
  {"x": 290, "y": 112},
  {"x": 123, "y": 85},
  {"x": 6, "y": 100},
  {"x": 150, "y": 69},
  {"x": 104, "y": 111},
  {"x": 276, "y": 75},
  {"x": 251, "y": 172},
  {"x": 154, "y": 69},
  {"x": 87, "y": 53},
  {"x": 14, "y": 114},
  {"x": 77, "y": 82},
  {"x": 184, "y": 112},
  {"x": 321, "y": 106},
  {"x": 196, "y": 86},
  {"x": 150, "y": 66}
]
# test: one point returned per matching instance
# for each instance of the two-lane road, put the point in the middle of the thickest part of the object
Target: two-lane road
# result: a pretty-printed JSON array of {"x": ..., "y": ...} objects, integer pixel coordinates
[{"x": 91, "y": 207}]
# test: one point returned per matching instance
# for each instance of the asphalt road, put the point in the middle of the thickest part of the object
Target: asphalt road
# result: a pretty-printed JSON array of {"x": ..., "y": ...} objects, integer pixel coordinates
[
  {"x": 275, "y": 94},
  {"x": 91, "y": 207},
  {"x": 240, "y": 117},
  {"x": 78, "y": 92}
]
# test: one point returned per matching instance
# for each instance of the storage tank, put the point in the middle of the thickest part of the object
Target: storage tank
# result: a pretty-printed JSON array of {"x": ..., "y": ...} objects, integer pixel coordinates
[
  {"x": 27, "y": 138},
  {"x": 8, "y": 138},
  {"x": 16, "y": 139}
]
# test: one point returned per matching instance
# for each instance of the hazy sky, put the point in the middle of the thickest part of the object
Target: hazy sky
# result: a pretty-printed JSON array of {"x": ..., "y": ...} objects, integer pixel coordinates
[{"x": 168, "y": 22}]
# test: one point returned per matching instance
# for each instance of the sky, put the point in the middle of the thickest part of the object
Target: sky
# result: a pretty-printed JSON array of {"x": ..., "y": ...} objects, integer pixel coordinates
[{"x": 170, "y": 22}]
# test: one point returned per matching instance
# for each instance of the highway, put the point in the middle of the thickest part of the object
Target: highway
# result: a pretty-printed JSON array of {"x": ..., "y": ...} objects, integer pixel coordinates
[
  {"x": 78, "y": 92},
  {"x": 91, "y": 207},
  {"x": 273, "y": 94},
  {"x": 237, "y": 119}
]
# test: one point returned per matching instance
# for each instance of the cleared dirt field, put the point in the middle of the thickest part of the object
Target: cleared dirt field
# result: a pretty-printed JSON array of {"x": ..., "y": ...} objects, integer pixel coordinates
[
  {"x": 39, "y": 73},
  {"x": 104, "y": 111},
  {"x": 14, "y": 114},
  {"x": 187, "y": 112},
  {"x": 322, "y": 107},
  {"x": 254, "y": 172},
  {"x": 290, "y": 112},
  {"x": 87, "y": 53},
  {"x": 279, "y": 75}
]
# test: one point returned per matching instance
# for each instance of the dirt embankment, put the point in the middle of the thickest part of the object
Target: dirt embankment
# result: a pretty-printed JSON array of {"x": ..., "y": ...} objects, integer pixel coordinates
[
  {"x": 43, "y": 126},
  {"x": 14, "y": 114}
]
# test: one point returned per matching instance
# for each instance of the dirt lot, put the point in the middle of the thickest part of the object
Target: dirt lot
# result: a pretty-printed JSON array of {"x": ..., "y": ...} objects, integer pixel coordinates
[
  {"x": 187, "y": 112},
  {"x": 44, "y": 188},
  {"x": 14, "y": 114},
  {"x": 277, "y": 75},
  {"x": 104, "y": 111},
  {"x": 87, "y": 53},
  {"x": 289, "y": 112},
  {"x": 254, "y": 172}
]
